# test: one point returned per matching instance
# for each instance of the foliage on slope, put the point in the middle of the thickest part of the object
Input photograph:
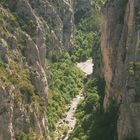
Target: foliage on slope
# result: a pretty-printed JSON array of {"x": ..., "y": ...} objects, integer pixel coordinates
[
  {"x": 16, "y": 72},
  {"x": 93, "y": 123},
  {"x": 15, "y": 77},
  {"x": 65, "y": 81},
  {"x": 87, "y": 23}
]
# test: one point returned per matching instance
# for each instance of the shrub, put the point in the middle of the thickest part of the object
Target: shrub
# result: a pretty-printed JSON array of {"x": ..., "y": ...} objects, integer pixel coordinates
[
  {"x": 65, "y": 81},
  {"x": 2, "y": 64},
  {"x": 22, "y": 136}
]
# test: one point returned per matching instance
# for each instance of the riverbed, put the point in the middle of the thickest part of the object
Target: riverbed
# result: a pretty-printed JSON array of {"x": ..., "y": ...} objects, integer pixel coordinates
[
  {"x": 65, "y": 126},
  {"x": 86, "y": 67}
]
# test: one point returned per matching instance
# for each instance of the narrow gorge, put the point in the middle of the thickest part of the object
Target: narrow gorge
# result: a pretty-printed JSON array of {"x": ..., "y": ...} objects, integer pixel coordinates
[{"x": 69, "y": 69}]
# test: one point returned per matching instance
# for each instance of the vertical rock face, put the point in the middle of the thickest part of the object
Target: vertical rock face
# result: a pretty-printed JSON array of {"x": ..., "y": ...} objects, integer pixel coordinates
[
  {"x": 23, "y": 82},
  {"x": 120, "y": 47},
  {"x": 31, "y": 30},
  {"x": 58, "y": 18}
]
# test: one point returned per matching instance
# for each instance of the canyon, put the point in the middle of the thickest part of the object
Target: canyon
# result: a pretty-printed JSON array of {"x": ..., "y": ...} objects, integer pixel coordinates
[
  {"x": 120, "y": 55},
  {"x": 39, "y": 37}
]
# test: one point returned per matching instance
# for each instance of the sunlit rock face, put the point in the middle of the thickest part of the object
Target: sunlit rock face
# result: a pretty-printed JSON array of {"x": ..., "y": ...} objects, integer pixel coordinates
[
  {"x": 121, "y": 63},
  {"x": 30, "y": 31},
  {"x": 59, "y": 20},
  {"x": 23, "y": 82}
]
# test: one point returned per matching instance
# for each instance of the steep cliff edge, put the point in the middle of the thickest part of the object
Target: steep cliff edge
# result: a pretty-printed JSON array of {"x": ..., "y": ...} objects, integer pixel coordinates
[
  {"x": 23, "y": 81},
  {"x": 30, "y": 31},
  {"x": 121, "y": 63}
]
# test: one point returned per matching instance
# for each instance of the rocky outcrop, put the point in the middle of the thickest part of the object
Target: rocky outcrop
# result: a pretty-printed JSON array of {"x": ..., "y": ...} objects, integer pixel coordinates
[
  {"x": 84, "y": 3},
  {"x": 31, "y": 30},
  {"x": 24, "y": 83},
  {"x": 121, "y": 63},
  {"x": 3, "y": 50},
  {"x": 58, "y": 18}
]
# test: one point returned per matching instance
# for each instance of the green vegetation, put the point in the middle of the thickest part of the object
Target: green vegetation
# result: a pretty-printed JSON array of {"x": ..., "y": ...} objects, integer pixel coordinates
[
  {"x": 22, "y": 136},
  {"x": 30, "y": 136},
  {"x": 64, "y": 78},
  {"x": 93, "y": 122},
  {"x": 9, "y": 25},
  {"x": 99, "y": 3},
  {"x": 86, "y": 111},
  {"x": 65, "y": 81},
  {"x": 8, "y": 22},
  {"x": 13, "y": 19},
  {"x": 87, "y": 29},
  {"x": 19, "y": 77},
  {"x": 17, "y": 74},
  {"x": 83, "y": 46},
  {"x": 2, "y": 64}
]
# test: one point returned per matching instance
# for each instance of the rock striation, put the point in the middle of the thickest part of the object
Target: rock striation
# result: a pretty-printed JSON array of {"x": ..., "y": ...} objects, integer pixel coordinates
[
  {"x": 120, "y": 47},
  {"x": 31, "y": 30}
]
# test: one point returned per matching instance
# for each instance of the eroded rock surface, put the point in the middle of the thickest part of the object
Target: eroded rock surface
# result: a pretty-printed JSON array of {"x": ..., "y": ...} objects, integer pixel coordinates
[
  {"x": 121, "y": 63},
  {"x": 31, "y": 30}
]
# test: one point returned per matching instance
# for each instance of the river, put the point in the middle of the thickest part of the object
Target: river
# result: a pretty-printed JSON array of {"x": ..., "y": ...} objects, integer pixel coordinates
[{"x": 65, "y": 126}]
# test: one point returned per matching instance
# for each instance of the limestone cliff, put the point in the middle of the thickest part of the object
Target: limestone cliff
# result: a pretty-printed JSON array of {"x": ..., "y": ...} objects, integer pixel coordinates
[
  {"x": 30, "y": 31},
  {"x": 120, "y": 47}
]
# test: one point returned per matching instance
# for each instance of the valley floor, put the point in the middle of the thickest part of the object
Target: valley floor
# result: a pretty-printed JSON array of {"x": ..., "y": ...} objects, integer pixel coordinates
[{"x": 66, "y": 125}]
